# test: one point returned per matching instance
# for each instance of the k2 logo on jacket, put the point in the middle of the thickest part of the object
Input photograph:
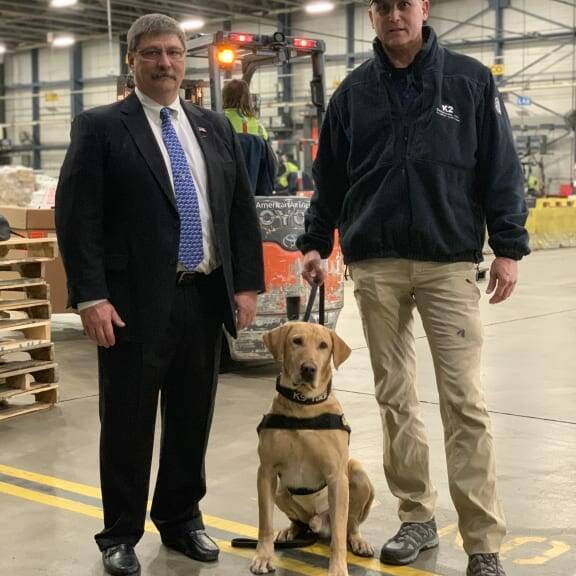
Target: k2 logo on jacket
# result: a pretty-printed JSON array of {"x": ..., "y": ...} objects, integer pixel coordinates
[
  {"x": 498, "y": 105},
  {"x": 447, "y": 111}
]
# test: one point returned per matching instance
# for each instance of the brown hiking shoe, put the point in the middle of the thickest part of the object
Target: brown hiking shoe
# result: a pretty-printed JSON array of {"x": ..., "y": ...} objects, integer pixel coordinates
[{"x": 484, "y": 565}]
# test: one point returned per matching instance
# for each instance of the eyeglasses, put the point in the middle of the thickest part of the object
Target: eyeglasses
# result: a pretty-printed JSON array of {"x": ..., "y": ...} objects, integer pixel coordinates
[{"x": 154, "y": 54}]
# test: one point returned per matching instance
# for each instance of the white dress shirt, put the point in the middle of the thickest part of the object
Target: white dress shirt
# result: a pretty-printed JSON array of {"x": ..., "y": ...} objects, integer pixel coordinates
[{"x": 197, "y": 164}]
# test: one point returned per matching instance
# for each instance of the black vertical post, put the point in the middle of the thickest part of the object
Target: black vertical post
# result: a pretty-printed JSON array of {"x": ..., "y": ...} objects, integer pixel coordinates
[
  {"x": 2, "y": 95},
  {"x": 350, "y": 36},
  {"x": 123, "y": 55},
  {"x": 285, "y": 26},
  {"x": 4, "y": 159},
  {"x": 36, "y": 153},
  {"x": 227, "y": 27},
  {"x": 76, "y": 80},
  {"x": 499, "y": 7}
]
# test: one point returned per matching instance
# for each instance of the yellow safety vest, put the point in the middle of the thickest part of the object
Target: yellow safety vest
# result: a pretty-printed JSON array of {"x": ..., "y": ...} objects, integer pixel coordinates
[
  {"x": 290, "y": 168},
  {"x": 245, "y": 124}
]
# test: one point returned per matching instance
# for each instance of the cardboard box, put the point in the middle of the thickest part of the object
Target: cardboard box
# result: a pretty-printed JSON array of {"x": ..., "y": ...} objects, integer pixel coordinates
[
  {"x": 28, "y": 218},
  {"x": 35, "y": 223}
]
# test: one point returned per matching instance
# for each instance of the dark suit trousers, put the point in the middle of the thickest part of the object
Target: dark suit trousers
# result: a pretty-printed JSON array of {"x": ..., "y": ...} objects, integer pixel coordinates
[{"x": 182, "y": 367}]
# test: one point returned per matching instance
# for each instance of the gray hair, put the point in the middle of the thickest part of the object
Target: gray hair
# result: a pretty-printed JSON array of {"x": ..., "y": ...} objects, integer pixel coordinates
[{"x": 153, "y": 24}]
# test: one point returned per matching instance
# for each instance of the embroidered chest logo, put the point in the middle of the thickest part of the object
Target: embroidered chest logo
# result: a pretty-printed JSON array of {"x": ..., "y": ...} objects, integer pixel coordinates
[
  {"x": 497, "y": 105},
  {"x": 447, "y": 111}
]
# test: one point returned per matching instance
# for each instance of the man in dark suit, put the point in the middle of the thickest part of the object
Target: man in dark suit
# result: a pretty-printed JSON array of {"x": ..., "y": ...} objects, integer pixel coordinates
[{"x": 160, "y": 240}]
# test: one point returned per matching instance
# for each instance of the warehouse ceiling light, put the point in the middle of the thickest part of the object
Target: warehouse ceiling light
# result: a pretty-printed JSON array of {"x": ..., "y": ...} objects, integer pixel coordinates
[
  {"x": 2, "y": 48},
  {"x": 192, "y": 24},
  {"x": 319, "y": 7},
  {"x": 62, "y": 3},
  {"x": 63, "y": 41}
]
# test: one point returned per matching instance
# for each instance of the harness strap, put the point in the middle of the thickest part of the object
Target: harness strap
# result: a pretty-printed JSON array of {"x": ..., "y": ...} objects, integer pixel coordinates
[
  {"x": 322, "y": 422},
  {"x": 306, "y": 491}
]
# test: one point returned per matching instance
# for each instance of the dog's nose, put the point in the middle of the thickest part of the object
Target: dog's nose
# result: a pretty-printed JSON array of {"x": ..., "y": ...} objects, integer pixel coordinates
[{"x": 308, "y": 371}]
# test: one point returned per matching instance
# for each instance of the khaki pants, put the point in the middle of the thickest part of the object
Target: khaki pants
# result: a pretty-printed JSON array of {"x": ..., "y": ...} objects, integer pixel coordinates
[{"x": 446, "y": 296}]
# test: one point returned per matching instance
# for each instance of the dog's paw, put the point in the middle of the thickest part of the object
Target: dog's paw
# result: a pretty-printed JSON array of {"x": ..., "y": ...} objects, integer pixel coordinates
[
  {"x": 340, "y": 571},
  {"x": 359, "y": 546},
  {"x": 288, "y": 534},
  {"x": 262, "y": 564}
]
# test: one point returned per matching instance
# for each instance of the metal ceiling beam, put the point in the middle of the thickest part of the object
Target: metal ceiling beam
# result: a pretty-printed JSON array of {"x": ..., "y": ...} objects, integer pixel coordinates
[
  {"x": 464, "y": 23},
  {"x": 16, "y": 34},
  {"x": 537, "y": 61},
  {"x": 540, "y": 17},
  {"x": 28, "y": 26},
  {"x": 472, "y": 24},
  {"x": 50, "y": 18},
  {"x": 565, "y": 2}
]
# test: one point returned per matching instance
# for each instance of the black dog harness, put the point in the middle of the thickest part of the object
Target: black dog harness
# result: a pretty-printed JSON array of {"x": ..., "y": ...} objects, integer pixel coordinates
[
  {"x": 326, "y": 421},
  {"x": 322, "y": 422}
]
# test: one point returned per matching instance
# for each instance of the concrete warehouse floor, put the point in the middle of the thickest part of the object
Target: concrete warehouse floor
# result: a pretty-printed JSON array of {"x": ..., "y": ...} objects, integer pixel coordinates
[{"x": 50, "y": 505}]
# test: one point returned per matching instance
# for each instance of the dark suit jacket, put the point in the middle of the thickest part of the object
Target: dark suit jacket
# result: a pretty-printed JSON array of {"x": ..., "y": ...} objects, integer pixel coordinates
[{"x": 117, "y": 222}]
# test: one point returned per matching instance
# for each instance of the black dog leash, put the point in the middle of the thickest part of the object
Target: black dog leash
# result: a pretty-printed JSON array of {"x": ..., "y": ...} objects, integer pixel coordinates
[
  {"x": 310, "y": 304},
  {"x": 305, "y": 537}
]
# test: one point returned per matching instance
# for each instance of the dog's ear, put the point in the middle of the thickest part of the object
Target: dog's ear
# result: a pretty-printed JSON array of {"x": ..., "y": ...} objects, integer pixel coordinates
[
  {"x": 340, "y": 350},
  {"x": 274, "y": 340}
]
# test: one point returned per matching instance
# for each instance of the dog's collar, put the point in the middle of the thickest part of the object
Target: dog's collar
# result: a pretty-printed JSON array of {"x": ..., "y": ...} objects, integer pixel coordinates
[{"x": 299, "y": 398}]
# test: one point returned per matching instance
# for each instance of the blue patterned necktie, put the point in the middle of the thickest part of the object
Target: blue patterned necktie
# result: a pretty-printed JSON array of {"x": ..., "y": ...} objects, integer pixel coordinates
[{"x": 191, "y": 251}]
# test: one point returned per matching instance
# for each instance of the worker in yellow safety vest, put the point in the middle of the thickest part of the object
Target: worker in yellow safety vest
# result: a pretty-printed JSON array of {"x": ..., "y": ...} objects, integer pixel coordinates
[
  {"x": 260, "y": 160},
  {"x": 239, "y": 110},
  {"x": 287, "y": 180}
]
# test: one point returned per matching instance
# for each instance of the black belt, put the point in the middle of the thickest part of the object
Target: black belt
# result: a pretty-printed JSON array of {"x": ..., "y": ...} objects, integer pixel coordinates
[{"x": 186, "y": 278}]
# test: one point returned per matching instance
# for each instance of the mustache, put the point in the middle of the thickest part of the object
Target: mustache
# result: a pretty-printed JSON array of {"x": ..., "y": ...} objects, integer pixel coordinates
[{"x": 164, "y": 75}]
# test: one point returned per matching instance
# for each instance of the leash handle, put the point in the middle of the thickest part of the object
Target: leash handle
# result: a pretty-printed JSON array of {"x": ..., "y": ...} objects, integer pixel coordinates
[{"x": 310, "y": 304}]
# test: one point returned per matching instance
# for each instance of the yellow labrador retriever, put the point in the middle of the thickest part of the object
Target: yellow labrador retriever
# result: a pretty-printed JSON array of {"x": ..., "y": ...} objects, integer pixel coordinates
[{"x": 305, "y": 467}]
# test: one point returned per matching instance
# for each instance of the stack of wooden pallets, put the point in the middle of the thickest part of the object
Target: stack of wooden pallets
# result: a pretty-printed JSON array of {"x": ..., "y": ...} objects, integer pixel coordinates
[{"x": 28, "y": 373}]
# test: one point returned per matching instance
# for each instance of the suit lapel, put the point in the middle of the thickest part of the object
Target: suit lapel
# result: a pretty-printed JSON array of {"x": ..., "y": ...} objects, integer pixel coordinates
[{"x": 136, "y": 122}]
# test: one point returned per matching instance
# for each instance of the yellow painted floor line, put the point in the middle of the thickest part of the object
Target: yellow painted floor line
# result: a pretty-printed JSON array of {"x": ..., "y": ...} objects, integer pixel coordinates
[
  {"x": 54, "y": 501},
  {"x": 293, "y": 565},
  {"x": 211, "y": 521},
  {"x": 73, "y": 487}
]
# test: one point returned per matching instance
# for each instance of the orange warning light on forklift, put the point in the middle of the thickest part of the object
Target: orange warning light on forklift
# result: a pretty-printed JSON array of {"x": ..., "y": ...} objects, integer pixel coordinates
[{"x": 226, "y": 57}]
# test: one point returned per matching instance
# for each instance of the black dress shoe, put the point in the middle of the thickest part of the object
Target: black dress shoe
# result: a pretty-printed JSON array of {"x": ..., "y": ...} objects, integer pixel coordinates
[
  {"x": 120, "y": 560},
  {"x": 196, "y": 545}
]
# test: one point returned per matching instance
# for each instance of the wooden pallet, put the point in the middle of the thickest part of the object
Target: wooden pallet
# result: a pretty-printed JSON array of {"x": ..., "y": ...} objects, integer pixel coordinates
[
  {"x": 37, "y": 349},
  {"x": 27, "y": 368},
  {"x": 33, "y": 329},
  {"x": 42, "y": 249},
  {"x": 45, "y": 396},
  {"x": 36, "y": 376},
  {"x": 24, "y": 287},
  {"x": 31, "y": 307},
  {"x": 24, "y": 374}
]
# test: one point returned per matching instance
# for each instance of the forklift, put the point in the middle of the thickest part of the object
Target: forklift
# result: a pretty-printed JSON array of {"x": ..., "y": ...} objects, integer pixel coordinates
[{"x": 281, "y": 217}]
